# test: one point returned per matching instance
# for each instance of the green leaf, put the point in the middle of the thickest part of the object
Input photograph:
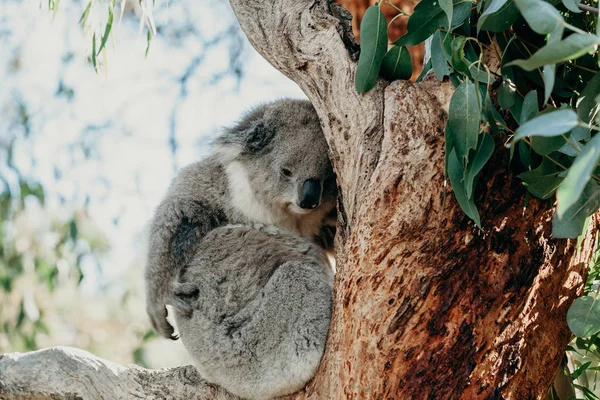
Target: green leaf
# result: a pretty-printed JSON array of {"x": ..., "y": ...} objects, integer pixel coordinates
[
  {"x": 438, "y": 59},
  {"x": 493, "y": 6},
  {"x": 573, "y": 148},
  {"x": 549, "y": 73},
  {"x": 425, "y": 19},
  {"x": 541, "y": 16},
  {"x": 578, "y": 176},
  {"x": 148, "y": 40},
  {"x": 502, "y": 19},
  {"x": 571, "y": 224},
  {"x": 577, "y": 373},
  {"x": 85, "y": 14},
  {"x": 482, "y": 155},
  {"x": 428, "y": 16},
  {"x": 455, "y": 172},
  {"x": 542, "y": 181},
  {"x": 507, "y": 93},
  {"x": 94, "y": 61},
  {"x": 583, "y": 316},
  {"x": 396, "y": 64},
  {"x": 108, "y": 27},
  {"x": 458, "y": 55},
  {"x": 529, "y": 109},
  {"x": 554, "y": 123},
  {"x": 587, "y": 106},
  {"x": 572, "y": 5},
  {"x": 571, "y": 48},
  {"x": 446, "y": 6},
  {"x": 463, "y": 120},
  {"x": 374, "y": 40},
  {"x": 547, "y": 145}
]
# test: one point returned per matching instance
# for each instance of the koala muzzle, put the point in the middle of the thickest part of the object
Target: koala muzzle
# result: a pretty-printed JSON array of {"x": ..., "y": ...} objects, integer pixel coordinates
[{"x": 311, "y": 194}]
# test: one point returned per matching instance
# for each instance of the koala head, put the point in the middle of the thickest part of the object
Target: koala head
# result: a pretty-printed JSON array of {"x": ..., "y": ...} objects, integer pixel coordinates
[{"x": 284, "y": 155}]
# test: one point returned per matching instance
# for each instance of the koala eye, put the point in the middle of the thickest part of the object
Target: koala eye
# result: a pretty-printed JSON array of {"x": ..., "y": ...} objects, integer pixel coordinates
[{"x": 286, "y": 172}]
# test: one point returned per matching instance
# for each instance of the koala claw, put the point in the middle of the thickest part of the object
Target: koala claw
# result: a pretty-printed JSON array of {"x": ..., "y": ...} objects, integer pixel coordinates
[
  {"x": 158, "y": 317},
  {"x": 174, "y": 337}
]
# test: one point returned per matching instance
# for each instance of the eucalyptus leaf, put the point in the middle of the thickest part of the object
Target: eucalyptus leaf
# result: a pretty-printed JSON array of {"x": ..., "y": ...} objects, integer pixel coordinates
[
  {"x": 86, "y": 13},
  {"x": 574, "y": 147},
  {"x": 397, "y": 64},
  {"x": 493, "y": 6},
  {"x": 583, "y": 316},
  {"x": 525, "y": 155},
  {"x": 483, "y": 152},
  {"x": 572, "y": 5},
  {"x": 447, "y": 7},
  {"x": 428, "y": 16},
  {"x": 578, "y": 176},
  {"x": 550, "y": 124},
  {"x": 543, "y": 181},
  {"x": 463, "y": 120},
  {"x": 549, "y": 73},
  {"x": 574, "y": 46},
  {"x": 570, "y": 225},
  {"x": 547, "y": 145},
  {"x": 529, "y": 108},
  {"x": 458, "y": 55},
  {"x": 587, "y": 105},
  {"x": 507, "y": 93},
  {"x": 438, "y": 59},
  {"x": 541, "y": 16},
  {"x": 502, "y": 19},
  {"x": 455, "y": 172},
  {"x": 374, "y": 40},
  {"x": 108, "y": 26}
]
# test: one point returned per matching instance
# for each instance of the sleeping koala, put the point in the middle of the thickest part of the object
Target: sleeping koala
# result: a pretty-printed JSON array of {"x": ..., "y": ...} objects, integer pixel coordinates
[
  {"x": 271, "y": 168},
  {"x": 253, "y": 308}
]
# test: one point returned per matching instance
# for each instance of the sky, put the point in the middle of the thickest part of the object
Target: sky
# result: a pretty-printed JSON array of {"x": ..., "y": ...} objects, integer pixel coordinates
[{"x": 107, "y": 138}]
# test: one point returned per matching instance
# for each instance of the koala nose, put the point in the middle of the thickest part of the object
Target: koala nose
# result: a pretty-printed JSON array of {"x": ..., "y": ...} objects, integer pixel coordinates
[{"x": 311, "y": 194}]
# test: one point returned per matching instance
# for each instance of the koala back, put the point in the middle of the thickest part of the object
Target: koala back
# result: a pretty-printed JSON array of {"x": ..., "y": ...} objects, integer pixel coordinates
[{"x": 253, "y": 309}]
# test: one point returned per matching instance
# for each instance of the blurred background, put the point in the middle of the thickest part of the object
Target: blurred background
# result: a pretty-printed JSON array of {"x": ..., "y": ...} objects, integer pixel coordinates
[{"x": 86, "y": 155}]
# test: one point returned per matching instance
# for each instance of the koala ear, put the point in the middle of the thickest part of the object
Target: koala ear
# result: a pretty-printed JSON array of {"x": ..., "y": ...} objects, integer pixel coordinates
[
  {"x": 257, "y": 137},
  {"x": 185, "y": 297},
  {"x": 249, "y": 136}
]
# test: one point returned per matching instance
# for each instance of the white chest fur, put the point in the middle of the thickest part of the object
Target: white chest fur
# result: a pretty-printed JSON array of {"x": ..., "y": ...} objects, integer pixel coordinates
[
  {"x": 249, "y": 208},
  {"x": 243, "y": 199}
]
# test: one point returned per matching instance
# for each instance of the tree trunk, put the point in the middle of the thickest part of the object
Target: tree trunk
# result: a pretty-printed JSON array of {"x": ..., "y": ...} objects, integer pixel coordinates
[{"x": 426, "y": 305}]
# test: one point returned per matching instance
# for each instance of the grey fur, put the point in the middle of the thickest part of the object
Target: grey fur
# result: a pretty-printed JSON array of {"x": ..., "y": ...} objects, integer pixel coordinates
[
  {"x": 253, "y": 308},
  {"x": 242, "y": 182}
]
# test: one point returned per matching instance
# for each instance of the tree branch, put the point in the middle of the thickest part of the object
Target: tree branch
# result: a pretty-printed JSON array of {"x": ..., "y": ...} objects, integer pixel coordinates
[{"x": 68, "y": 373}]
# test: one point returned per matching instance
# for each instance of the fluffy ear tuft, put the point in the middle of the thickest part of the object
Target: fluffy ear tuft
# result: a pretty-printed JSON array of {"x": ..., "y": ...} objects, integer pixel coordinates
[
  {"x": 250, "y": 135},
  {"x": 184, "y": 298}
]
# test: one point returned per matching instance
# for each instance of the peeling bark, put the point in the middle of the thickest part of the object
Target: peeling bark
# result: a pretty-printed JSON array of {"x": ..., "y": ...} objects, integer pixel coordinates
[{"x": 426, "y": 305}]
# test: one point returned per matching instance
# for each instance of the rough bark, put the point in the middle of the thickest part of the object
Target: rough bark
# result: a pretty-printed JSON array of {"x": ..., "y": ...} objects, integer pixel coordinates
[{"x": 426, "y": 305}]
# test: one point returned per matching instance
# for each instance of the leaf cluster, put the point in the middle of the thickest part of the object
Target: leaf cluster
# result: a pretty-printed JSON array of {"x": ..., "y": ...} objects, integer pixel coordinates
[{"x": 541, "y": 103}]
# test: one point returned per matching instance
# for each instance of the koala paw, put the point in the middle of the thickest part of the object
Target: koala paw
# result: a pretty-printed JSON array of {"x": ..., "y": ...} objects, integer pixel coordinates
[{"x": 158, "y": 317}]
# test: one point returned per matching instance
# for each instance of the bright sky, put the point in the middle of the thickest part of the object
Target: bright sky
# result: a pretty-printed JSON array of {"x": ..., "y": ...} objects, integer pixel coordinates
[{"x": 122, "y": 117}]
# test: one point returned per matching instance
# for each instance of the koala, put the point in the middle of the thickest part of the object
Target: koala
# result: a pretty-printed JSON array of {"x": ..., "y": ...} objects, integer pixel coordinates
[
  {"x": 253, "y": 307},
  {"x": 271, "y": 168}
]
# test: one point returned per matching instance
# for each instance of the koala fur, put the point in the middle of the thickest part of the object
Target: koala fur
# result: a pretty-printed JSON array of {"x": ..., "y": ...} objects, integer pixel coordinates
[
  {"x": 253, "y": 308},
  {"x": 266, "y": 170}
]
